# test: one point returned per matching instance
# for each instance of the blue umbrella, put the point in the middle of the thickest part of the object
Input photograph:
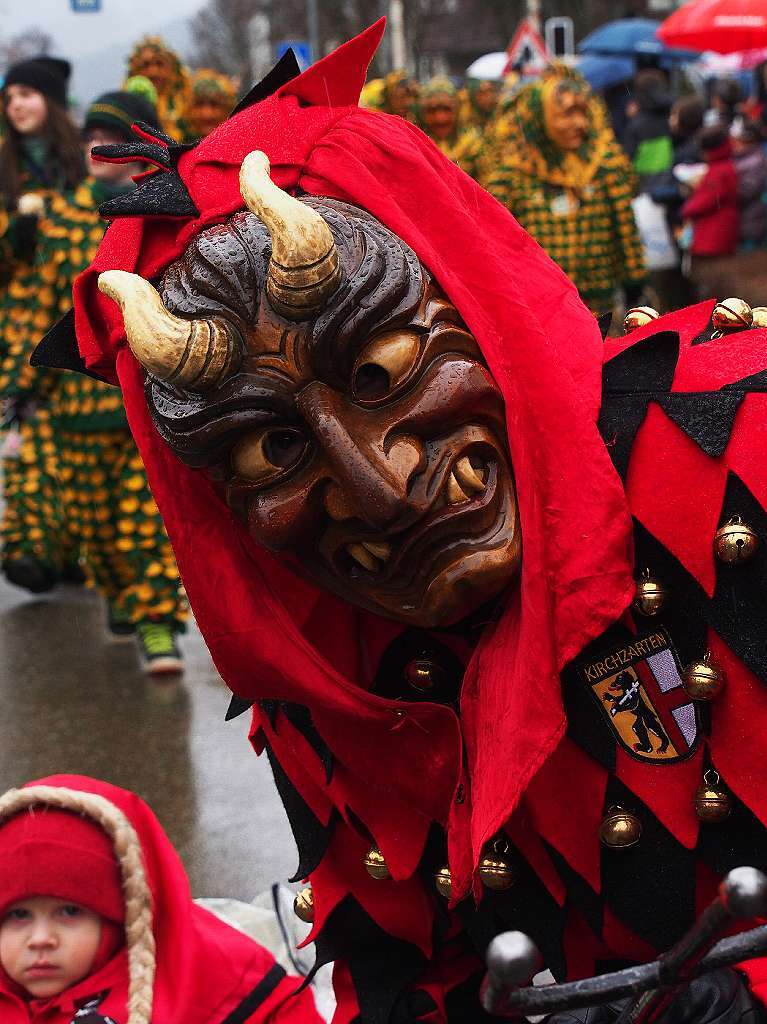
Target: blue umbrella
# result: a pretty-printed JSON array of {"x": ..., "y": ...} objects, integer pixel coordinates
[
  {"x": 631, "y": 37},
  {"x": 602, "y": 72}
]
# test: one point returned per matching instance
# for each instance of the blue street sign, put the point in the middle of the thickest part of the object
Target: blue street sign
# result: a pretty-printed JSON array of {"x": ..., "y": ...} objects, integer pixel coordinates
[
  {"x": 81, "y": 6},
  {"x": 300, "y": 47}
]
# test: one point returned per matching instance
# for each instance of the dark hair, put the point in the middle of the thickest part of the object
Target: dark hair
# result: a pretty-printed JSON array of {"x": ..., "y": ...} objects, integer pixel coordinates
[
  {"x": 729, "y": 92},
  {"x": 64, "y": 169},
  {"x": 712, "y": 137},
  {"x": 689, "y": 111}
]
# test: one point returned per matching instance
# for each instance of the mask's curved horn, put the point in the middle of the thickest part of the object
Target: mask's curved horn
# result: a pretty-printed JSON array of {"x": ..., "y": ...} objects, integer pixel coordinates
[
  {"x": 195, "y": 355},
  {"x": 304, "y": 270}
]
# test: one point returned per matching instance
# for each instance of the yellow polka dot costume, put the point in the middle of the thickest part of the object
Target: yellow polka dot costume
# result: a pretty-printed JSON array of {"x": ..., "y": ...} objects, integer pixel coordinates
[
  {"x": 79, "y": 483},
  {"x": 172, "y": 102},
  {"x": 577, "y": 205}
]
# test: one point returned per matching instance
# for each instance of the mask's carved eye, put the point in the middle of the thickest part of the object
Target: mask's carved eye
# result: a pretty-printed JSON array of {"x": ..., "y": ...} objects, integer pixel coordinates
[
  {"x": 267, "y": 453},
  {"x": 384, "y": 364}
]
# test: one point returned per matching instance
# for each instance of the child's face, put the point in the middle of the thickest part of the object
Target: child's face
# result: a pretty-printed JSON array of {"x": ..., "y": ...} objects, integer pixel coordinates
[{"x": 48, "y": 944}]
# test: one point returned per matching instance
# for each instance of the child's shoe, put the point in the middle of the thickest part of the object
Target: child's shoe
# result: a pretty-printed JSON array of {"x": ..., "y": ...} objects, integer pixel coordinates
[{"x": 157, "y": 645}]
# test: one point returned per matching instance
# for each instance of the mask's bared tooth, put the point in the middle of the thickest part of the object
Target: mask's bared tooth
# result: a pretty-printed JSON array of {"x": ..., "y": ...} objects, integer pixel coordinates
[
  {"x": 468, "y": 476},
  {"x": 379, "y": 548},
  {"x": 455, "y": 493},
  {"x": 360, "y": 554}
]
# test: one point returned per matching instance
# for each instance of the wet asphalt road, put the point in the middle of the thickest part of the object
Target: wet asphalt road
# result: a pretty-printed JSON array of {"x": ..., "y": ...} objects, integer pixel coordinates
[{"x": 71, "y": 700}]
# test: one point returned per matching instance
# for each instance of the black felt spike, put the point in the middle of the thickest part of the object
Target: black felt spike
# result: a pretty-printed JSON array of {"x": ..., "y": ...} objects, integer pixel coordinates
[
  {"x": 237, "y": 707},
  {"x": 128, "y": 151},
  {"x": 604, "y": 320},
  {"x": 579, "y": 893},
  {"x": 311, "y": 836},
  {"x": 738, "y": 610},
  {"x": 650, "y": 887},
  {"x": 162, "y": 138},
  {"x": 58, "y": 349},
  {"x": 162, "y": 194},
  {"x": 301, "y": 718},
  {"x": 638, "y": 375},
  {"x": 284, "y": 71},
  {"x": 755, "y": 382},
  {"x": 382, "y": 967},
  {"x": 707, "y": 417},
  {"x": 462, "y": 1003}
]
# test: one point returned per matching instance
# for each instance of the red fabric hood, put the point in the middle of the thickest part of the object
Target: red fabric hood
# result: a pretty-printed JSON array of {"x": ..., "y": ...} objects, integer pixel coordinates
[
  {"x": 273, "y": 636},
  {"x": 204, "y": 967}
]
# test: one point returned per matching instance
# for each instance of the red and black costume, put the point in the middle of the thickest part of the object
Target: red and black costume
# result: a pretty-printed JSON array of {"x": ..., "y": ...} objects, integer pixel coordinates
[{"x": 626, "y": 456}]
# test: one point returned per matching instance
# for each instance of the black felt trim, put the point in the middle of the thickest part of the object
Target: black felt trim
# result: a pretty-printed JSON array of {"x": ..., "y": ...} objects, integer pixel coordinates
[
  {"x": 740, "y": 840},
  {"x": 382, "y": 967},
  {"x": 462, "y": 1003},
  {"x": 529, "y": 907},
  {"x": 311, "y": 836},
  {"x": 651, "y": 886},
  {"x": 630, "y": 381},
  {"x": 390, "y": 679},
  {"x": 58, "y": 349},
  {"x": 580, "y": 895},
  {"x": 237, "y": 707},
  {"x": 738, "y": 610},
  {"x": 284, "y": 71},
  {"x": 257, "y": 997},
  {"x": 301, "y": 718},
  {"x": 603, "y": 321},
  {"x": 162, "y": 194},
  {"x": 585, "y": 725},
  {"x": 705, "y": 416},
  {"x": 270, "y": 709}
]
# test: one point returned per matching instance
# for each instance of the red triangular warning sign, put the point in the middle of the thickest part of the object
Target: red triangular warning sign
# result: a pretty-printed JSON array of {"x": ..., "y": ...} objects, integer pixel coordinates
[{"x": 527, "y": 50}]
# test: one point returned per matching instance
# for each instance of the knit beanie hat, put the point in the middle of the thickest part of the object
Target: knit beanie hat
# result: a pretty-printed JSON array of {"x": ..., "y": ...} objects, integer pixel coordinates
[
  {"x": 49, "y": 75},
  {"x": 118, "y": 111},
  {"x": 48, "y": 852}
]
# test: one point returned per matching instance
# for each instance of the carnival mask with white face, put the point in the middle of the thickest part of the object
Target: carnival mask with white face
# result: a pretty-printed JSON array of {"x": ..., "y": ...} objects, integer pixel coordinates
[{"x": 333, "y": 392}]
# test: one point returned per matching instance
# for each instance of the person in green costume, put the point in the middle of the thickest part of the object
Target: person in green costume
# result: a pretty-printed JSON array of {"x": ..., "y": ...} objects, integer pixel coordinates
[
  {"x": 104, "y": 500},
  {"x": 40, "y": 158}
]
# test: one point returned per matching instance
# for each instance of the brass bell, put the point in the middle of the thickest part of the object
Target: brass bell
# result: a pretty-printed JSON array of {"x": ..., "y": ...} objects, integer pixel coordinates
[
  {"x": 375, "y": 865},
  {"x": 735, "y": 542},
  {"x": 444, "y": 882},
  {"x": 712, "y": 802},
  {"x": 620, "y": 829},
  {"x": 495, "y": 870},
  {"x": 639, "y": 316},
  {"x": 731, "y": 315},
  {"x": 303, "y": 905},
  {"x": 650, "y": 595},
  {"x": 759, "y": 314},
  {"x": 423, "y": 674},
  {"x": 703, "y": 679}
]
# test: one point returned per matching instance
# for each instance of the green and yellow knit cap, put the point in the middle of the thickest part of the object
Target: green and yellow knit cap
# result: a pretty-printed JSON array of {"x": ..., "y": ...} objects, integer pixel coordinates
[{"x": 118, "y": 111}]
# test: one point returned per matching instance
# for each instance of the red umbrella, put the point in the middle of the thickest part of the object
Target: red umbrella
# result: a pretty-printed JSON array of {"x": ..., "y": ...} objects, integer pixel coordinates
[{"x": 721, "y": 25}]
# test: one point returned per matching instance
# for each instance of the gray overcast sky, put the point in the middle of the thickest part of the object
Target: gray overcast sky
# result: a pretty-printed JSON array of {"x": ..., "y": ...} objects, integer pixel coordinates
[
  {"x": 78, "y": 34},
  {"x": 98, "y": 44}
]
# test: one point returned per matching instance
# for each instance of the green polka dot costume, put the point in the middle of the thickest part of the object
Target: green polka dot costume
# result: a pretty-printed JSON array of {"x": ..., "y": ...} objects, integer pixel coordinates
[
  {"x": 577, "y": 205},
  {"x": 78, "y": 487}
]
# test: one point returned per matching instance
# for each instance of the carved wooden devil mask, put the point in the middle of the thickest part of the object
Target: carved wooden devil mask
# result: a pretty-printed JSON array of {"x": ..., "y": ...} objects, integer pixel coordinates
[{"x": 304, "y": 358}]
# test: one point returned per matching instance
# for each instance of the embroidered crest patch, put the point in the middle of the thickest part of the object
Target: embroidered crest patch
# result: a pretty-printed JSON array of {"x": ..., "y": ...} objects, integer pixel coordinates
[{"x": 638, "y": 687}]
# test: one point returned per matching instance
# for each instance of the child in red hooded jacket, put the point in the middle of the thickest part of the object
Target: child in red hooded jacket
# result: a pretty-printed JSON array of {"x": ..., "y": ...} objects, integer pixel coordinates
[
  {"x": 97, "y": 924},
  {"x": 713, "y": 205}
]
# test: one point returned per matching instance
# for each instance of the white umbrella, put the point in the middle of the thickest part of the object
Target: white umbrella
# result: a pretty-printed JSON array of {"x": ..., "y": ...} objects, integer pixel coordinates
[{"x": 488, "y": 67}]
